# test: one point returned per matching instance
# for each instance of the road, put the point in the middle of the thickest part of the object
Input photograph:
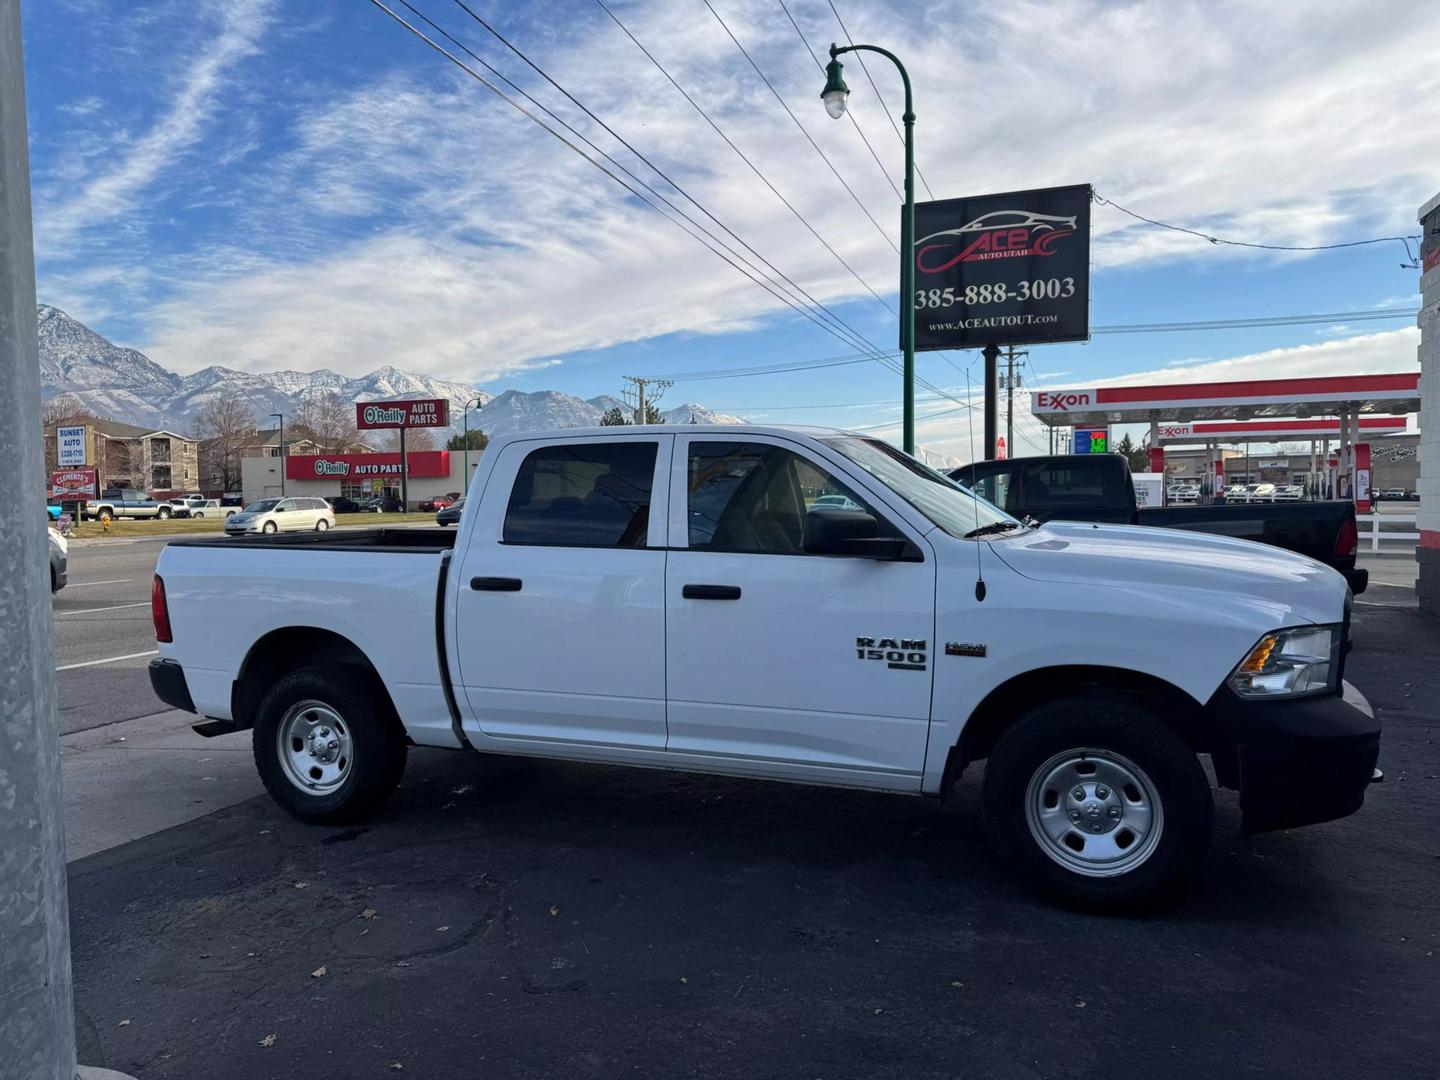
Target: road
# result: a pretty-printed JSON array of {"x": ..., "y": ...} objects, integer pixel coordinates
[
  {"x": 101, "y": 615},
  {"x": 513, "y": 918}
]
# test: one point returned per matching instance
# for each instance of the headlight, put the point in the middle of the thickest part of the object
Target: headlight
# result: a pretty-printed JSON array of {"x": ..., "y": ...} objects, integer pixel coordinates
[{"x": 1290, "y": 663}]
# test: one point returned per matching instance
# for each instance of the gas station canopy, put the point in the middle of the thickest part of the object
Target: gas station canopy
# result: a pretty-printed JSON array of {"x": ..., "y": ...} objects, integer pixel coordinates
[
  {"x": 1195, "y": 431},
  {"x": 1321, "y": 396}
]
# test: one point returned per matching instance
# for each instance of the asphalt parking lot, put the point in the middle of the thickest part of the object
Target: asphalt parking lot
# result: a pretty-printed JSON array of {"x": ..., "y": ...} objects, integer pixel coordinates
[{"x": 516, "y": 918}]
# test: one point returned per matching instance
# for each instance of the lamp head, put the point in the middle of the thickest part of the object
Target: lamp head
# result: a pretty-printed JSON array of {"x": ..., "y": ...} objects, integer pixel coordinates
[{"x": 835, "y": 91}]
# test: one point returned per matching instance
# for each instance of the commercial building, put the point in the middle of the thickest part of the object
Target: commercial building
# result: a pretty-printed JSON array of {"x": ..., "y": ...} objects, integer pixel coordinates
[
  {"x": 160, "y": 462},
  {"x": 355, "y": 476}
]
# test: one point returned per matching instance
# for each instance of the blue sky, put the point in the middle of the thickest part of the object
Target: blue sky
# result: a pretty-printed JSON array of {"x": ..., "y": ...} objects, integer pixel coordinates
[{"x": 267, "y": 184}]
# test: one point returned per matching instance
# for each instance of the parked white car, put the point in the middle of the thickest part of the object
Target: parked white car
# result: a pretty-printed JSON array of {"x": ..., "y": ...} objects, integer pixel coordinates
[
  {"x": 664, "y": 597},
  {"x": 294, "y": 513}
]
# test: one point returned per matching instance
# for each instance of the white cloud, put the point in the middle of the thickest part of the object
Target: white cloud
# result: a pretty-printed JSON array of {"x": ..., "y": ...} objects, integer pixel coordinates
[
  {"x": 414, "y": 219},
  {"x": 107, "y": 194}
]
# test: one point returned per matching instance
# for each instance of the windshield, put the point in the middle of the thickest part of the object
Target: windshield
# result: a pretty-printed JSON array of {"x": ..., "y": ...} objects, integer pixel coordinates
[
  {"x": 955, "y": 509},
  {"x": 262, "y": 507}
]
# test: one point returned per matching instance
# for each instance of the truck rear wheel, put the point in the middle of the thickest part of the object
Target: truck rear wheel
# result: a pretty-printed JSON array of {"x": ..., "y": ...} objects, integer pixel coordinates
[
  {"x": 329, "y": 750},
  {"x": 1096, "y": 801}
]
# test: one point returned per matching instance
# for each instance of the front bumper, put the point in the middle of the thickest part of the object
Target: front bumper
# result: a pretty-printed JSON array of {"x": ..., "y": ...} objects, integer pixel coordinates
[{"x": 1299, "y": 762}]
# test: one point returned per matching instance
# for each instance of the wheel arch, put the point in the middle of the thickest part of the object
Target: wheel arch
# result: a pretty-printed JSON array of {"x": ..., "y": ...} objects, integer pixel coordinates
[
  {"x": 288, "y": 649},
  {"x": 1010, "y": 700}
]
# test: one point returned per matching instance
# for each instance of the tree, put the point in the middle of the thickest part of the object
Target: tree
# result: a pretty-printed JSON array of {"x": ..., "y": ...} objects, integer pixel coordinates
[
  {"x": 473, "y": 439},
  {"x": 416, "y": 438},
  {"x": 225, "y": 427},
  {"x": 618, "y": 417},
  {"x": 327, "y": 420},
  {"x": 1137, "y": 456}
]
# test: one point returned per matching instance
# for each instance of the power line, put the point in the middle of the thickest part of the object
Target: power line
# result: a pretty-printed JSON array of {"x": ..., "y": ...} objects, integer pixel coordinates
[
  {"x": 1119, "y": 328},
  {"x": 848, "y": 112},
  {"x": 702, "y": 238},
  {"x": 740, "y": 153},
  {"x": 803, "y": 131},
  {"x": 860, "y": 56},
  {"x": 1377, "y": 315},
  {"x": 879, "y": 356},
  {"x": 1265, "y": 247},
  {"x": 850, "y": 330}
]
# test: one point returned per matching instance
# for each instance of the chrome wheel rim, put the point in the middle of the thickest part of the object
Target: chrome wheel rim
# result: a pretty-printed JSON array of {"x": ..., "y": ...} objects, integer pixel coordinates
[
  {"x": 321, "y": 525},
  {"x": 315, "y": 747},
  {"x": 1094, "y": 812}
]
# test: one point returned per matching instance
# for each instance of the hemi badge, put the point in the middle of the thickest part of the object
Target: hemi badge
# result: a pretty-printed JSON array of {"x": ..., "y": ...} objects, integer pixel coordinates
[{"x": 963, "y": 648}]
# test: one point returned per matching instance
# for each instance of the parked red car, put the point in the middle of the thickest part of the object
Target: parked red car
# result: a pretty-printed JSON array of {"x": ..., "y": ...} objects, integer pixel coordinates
[{"x": 439, "y": 502}]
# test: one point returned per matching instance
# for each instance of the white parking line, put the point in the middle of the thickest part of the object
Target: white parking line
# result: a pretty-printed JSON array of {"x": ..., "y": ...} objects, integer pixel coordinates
[
  {"x": 91, "y": 610},
  {"x": 107, "y": 660},
  {"x": 112, "y": 581}
]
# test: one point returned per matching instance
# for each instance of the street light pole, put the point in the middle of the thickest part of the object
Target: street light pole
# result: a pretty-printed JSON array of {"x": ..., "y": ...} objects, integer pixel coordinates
[
  {"x": 281, "y": 417},
  {"x": 834, "y": 96},
  {"x": 465, "y": 423}
]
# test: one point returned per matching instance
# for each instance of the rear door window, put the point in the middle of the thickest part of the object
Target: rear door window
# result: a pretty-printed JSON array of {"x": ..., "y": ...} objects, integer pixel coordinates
[{"x": 583, "y": 495}]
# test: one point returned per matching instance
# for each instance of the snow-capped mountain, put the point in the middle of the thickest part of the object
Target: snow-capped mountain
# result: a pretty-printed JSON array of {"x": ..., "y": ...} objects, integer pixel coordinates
[{"x": 126, "y": 385}]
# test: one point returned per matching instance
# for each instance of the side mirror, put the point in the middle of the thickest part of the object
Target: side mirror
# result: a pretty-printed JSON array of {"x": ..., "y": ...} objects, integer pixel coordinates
[{"x": 855, "y": 533}]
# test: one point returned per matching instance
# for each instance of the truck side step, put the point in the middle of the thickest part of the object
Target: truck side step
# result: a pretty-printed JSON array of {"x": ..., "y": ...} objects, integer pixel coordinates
[{"x": 212, "y": 727}]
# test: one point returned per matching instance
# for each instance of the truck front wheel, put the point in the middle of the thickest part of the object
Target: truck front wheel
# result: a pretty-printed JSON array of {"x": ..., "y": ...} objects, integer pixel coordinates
[
  {"x": 328, "y": 751},
  {"x": 1098, "y": 802}
]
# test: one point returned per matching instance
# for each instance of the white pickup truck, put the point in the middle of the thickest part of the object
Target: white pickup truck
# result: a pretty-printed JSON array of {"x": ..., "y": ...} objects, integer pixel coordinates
[{"x": 674, "y": 597}]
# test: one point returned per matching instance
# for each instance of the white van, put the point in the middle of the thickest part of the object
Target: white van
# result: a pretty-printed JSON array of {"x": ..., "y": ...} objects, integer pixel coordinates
[{"x": 294, "y": 513}]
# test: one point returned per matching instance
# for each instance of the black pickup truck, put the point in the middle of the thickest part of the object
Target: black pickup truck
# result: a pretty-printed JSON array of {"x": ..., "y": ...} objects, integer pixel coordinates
[{"x": 1098, "y": 487}]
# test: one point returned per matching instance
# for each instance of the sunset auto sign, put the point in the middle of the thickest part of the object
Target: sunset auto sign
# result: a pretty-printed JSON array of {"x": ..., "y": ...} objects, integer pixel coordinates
[
  {"x": 421, "y": 413},
  {"x": 1003, "y": 269}
]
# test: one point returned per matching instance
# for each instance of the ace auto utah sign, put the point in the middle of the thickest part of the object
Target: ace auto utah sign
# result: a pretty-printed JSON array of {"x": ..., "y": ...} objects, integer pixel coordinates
[
  {"x": 1003, "y": 269},
  {"x": 426, "y": 412}
]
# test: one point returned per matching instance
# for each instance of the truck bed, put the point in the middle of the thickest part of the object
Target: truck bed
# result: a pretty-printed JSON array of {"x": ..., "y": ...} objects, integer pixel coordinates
[{"x": 418, "y": 541}]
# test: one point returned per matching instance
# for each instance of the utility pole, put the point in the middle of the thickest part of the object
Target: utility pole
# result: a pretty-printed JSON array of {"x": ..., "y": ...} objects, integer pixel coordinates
[
  {"x": 37, "y": 1027},
  {"x": 644, "y": 402},
  {"x": 1011, "y": 381}
]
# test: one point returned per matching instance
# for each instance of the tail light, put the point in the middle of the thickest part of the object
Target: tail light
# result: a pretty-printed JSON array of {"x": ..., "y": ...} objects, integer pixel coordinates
[
  {"x": 160, "y": 611},
  {"x": 1347, "y": 543}
]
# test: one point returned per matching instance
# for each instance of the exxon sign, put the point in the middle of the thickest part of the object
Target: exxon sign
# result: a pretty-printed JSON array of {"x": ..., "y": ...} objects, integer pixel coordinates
[
  {"x": 425, "y": 412},
  {"x": 1061, "y": 401}
]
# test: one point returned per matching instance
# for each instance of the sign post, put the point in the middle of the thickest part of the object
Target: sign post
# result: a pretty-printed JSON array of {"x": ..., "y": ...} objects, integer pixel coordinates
[
  {"x": 400, "y": 415},
  {"x": 1009, "y": 269}
]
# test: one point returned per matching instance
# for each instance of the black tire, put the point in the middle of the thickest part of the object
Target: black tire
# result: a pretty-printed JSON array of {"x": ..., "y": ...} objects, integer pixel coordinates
[
  {"x": 1120, "y": 726},
  {"x": 322, "y": 525},
  {"x": 376, "y": 735},
  {"x": 163, "y": 513},
  {"x": 270, "y": 527}
]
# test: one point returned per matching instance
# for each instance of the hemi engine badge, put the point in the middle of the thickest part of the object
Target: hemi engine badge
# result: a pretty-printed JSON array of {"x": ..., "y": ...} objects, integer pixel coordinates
[{"x": 964, "y": 648}]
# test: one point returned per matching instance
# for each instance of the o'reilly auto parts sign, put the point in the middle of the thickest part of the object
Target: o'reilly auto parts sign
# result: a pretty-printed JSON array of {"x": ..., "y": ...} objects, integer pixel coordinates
[
  {"x": 425, "y": 412},
  {"x": 1003, "y": 269}
]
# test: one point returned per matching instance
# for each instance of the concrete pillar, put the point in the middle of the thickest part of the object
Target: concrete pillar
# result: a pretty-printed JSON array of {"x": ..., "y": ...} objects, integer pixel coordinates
[
  {"x": 1427, "y": 584},
  {"x": 37, "y": 1029}
]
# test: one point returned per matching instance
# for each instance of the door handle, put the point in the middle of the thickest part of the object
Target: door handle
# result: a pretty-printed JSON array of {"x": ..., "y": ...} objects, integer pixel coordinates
[
  {"x": 495, "y": 584},
  {"x": 711, "y": 592}
]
